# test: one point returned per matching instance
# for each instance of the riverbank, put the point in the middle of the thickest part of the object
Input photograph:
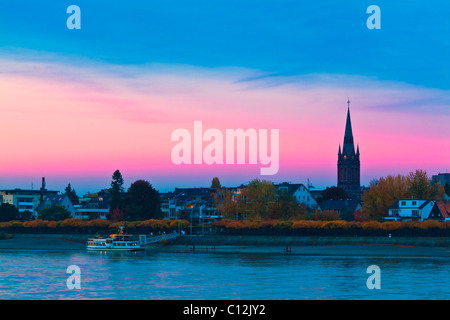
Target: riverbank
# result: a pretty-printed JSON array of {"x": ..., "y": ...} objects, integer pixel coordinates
[
  {"x": 345, "y": 246},
  {"x": 235, "y": 240},
  {"x": 44, "y": 242},
  {"x": 335, "y": 246},
  {"x": 320, "y": 250}
]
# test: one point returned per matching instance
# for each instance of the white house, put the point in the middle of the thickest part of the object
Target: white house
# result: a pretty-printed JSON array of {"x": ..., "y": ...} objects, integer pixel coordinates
[
  {"x": 56, "y": 199},
  {"x": 300, "y": 193},
  {"x": 410, "y": 210}
]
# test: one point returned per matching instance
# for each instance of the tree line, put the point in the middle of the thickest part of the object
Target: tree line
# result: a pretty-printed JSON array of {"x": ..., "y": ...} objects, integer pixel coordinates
[{"x": 259, "y": 200}]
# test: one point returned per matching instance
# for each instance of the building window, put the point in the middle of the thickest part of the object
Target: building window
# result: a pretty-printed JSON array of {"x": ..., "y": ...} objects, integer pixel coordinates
[
  {"x": 415, "y": 213},
  {"x": 403, "y": 203},
  {"x": 414, "y": 203}
]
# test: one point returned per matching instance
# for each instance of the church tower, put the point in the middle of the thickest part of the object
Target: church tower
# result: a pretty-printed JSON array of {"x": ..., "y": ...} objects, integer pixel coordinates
[{"x": 348, "y": 160}]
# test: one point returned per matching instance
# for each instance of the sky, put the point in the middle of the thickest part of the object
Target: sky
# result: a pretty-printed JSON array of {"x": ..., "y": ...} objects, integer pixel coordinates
[{"x": 77, "y": 104}]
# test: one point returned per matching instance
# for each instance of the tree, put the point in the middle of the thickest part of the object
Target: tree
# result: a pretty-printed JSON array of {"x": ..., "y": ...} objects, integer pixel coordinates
[
  {"x": 215, "y": 183},
  {"x": 26, "y": 215},
  {"x": 8, "y": 212},
  {"x": 142, "y": 202},
  {"x": 420, "y": 187},
  {"x": 382, "y": 195},
  {"x": 117, "y": 215},
  {"x": 255, "y": 200},
  {"x": 71, "y": 194},
  {"x": 54, "y": 213},
  {"x": 259, "y": 200},
  {"x": 224, "y": 204},
  {"x": 116, "y": 191},
  {"x": 284, "y": 207}
]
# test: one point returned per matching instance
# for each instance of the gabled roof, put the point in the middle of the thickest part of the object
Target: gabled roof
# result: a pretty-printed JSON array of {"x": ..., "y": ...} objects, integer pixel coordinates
[
  {"x": 51, "y": 200},
  {"x": 166, "y": 195},
  {"x": 339, "y": 205},
  {"x": 394, "y": 206},
  {"x": 444, "y": 207},
  {"x": 184, "y": 195},
  {"x": 425, "y": 203},
  {"x": 291, "y": 187}
]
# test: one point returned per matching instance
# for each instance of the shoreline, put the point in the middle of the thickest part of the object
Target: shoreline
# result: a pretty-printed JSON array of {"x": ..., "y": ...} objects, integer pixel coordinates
[
  {"x": 311, "y": 240},
  {"x": 329, "y": 246},
  {"x": 321, "y": 250}
]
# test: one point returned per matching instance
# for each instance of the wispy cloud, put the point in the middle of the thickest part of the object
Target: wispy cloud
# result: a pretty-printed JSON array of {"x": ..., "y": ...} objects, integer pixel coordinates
[{"x": 124, "y": 115}]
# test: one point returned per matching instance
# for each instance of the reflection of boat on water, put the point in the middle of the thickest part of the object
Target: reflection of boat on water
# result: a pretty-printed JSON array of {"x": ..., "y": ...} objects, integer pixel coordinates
[{"x": 117, "y": 242}]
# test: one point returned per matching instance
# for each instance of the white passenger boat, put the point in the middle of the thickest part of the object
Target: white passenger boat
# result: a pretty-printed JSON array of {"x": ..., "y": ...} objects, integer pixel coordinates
[{"x": 117, "y": 242}]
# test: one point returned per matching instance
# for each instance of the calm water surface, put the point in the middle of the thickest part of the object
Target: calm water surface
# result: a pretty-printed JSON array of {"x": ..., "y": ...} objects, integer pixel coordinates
[{"x": 214, "y": 275}]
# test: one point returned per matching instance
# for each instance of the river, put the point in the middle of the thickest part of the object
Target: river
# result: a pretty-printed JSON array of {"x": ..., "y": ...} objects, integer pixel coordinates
[{"x": 42, "y": 275}]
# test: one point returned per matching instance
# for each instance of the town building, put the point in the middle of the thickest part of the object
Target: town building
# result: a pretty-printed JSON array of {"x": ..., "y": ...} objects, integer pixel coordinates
[
  {"x": 193, "y": 204},
  {"x": 442, "y": 178},
  {"x": 237, "y": 191},
  {"x": 349, "y": 209},
  {"x": 56, "y": 199},
  {"x": 93, "y": 206},
  {"x": 26, "y": 200},
  {"x": 300, "y": 192},
  {"x": 419, "y": 210},
  {"x": 410, "y": 210}
]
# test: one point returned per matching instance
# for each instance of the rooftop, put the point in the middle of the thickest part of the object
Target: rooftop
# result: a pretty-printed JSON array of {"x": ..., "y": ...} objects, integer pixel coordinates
[{"x": 26, "y": 191}]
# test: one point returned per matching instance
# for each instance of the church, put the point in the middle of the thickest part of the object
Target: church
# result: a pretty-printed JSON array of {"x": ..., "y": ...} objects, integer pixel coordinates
[{"x": 348, "y": 166}]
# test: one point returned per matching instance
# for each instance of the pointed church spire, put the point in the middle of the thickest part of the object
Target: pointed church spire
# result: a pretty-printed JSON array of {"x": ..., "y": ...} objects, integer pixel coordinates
[
  {"x": 348, "y": 166},
  {"x": 349, "y": 147}
]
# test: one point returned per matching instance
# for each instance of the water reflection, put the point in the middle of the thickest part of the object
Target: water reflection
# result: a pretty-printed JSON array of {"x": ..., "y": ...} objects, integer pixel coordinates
[{"x": 218, "y": 275}]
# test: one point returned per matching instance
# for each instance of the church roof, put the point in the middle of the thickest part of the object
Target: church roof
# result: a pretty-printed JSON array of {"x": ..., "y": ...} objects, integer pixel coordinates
[{"x": 349, "y": 146}]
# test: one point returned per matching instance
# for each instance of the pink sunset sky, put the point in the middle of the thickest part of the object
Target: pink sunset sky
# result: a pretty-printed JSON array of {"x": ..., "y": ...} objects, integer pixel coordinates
[{"x": 80, "y": 124}]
